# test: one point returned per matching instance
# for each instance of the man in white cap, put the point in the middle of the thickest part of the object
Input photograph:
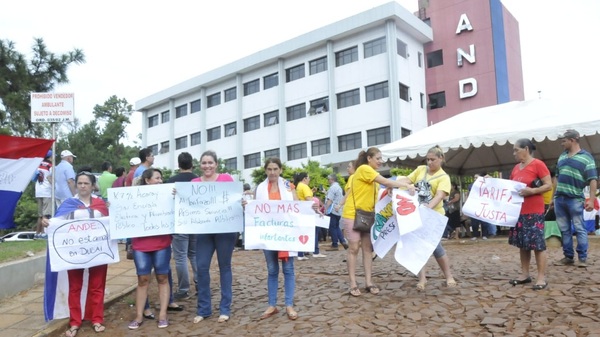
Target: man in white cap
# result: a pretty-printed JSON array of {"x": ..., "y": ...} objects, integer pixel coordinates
[
  {"x": 134, "y": 163},
  {"x": 64, "y": 176}
]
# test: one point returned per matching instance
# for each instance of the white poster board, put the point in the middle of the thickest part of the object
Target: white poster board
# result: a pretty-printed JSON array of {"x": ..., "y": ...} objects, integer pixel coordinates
[
  {"x": 78, "y": 244},
  {"x": 208, "y": 207},
  {"x": 52, "y": 107},
  {"x": 280, "y": 225},
  {"x": 384, "y": 233},
  {"x": 405, "y": 206},
  {"x": 138, "y": 211},
  {"x": 495, "y": 201},
  {"x": 322, "y": 221}
]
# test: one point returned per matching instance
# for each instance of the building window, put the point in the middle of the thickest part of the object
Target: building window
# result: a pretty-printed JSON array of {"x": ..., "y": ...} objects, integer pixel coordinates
[
  {"x": 348, "y": 98},
  {"x": 375, "y": 47},
  {"x": 318, "y": 106},
  {"x": 405, "y": 132},
  {"x": 230, "y": 94},
  {"x": 319, "y": 147},
  {"x": 296, "y": 112},
  {"x": 378, "y": 136},
  {"x": 195, "y": 138},
  {"x": 404, "y": 92},
  {"x": 270, "y": 81},
  {"x": 422, "y": 100},
  {"x": 152, "y": 121},
  {"x": 437, "y": 100},
  {"x": 318, "y": 65},
  {"x": 420, "y": 59},
  {"x": 271, "y": 118},
  {"x": 274, "y": 153},
  {"x": 376, "y": 91},
  {"x": 230, "y": 164},
  {"x": 297, "y": 151},
  {"x": 154, "y": 148},
  {"x": 346, "y": 56},
  {"x": 251, "y": 87},
  {"x": 230, "y": 129},
  {"x": 401, "y": 48},
  {"x": 294, "y": 73},
  {"x": 435, "y": 58},
  {"x": 349, "y": 142},
  {"x": 213, "y": 134},
  {"x": 252, "y": 160},
  {"x": 164, "y": 116},
  {"x": 251, "y": 123},
  {"x": 213, "y": 100},
  {"x": 180, "y": 142},
  {"x": 195, "y": 106},
  {"x": 181, "y": 111},
  {"x": 164, "y": 147}
]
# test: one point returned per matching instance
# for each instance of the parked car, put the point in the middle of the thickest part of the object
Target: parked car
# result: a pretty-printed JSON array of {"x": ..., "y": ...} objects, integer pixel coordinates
[{"x": 18, "y": 236}]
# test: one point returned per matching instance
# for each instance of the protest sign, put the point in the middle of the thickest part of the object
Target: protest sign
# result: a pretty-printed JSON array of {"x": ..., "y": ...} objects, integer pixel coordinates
[
  {"x": 143, "y": 210},
  {"x": 414, "y": 248},
  {"x": 384, "y": 233},
  {"x": 280, "y": 225},
  {"x": 78, "y": 244},
  {"x": 406, "y": 215},
  {"x": 495, "y": 201},
  {"x": 322, "y": 221},
  {"x": 208, "y": 207}
]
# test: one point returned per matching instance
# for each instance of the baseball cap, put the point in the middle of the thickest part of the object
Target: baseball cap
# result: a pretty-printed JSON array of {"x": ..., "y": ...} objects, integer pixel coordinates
[
  {"x": 67, "y": 153},
  {"x": 570, "y": 134},
  {"x": 135, "y": 161}
]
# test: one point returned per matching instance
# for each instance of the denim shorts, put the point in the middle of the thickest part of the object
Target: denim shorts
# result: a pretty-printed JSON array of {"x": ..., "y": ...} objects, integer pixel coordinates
[{"x": 145, "y": 261}]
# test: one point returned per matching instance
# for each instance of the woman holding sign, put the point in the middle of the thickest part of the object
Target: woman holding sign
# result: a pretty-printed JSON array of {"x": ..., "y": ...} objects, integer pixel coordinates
[
  {"x": 433, "y": 185},
  {"x": 363, "y": 195},
  {"x": 84, "y": 205},
  {"x": 206, "y": 245},
  {"x": 277, "y": 188},
  {"x": 151, "y": 252},
  {"x": 528, "y": 233}
]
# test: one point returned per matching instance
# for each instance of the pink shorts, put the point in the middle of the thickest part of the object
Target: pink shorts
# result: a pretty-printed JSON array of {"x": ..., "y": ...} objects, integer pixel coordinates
[{"x": 351, "y": 234}]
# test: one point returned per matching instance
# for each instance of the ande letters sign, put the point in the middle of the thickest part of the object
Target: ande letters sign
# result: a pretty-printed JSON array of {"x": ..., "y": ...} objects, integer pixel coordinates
[{"x": 52, "y": 107}]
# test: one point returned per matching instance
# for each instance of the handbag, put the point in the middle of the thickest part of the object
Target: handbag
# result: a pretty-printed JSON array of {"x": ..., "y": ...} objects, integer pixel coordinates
[{"x": 363, "y": 220}]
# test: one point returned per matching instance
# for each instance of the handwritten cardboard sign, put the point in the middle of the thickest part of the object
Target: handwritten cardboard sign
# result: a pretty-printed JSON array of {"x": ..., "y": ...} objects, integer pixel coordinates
[
  {"x": 78, "y": 244},
  {"x": 208, "y": 207},
  {"x": 495, "y": 201},
  {"x": 384, "y": 233},
  {"x": 139, "y": 211},
  {"x": 280, "y": 225}
]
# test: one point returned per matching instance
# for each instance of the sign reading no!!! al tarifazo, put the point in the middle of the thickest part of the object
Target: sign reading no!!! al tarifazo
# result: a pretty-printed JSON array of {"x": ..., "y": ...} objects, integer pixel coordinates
[
  {"x": 78, "y": 244},
  {"x": 52, "y": 107}
]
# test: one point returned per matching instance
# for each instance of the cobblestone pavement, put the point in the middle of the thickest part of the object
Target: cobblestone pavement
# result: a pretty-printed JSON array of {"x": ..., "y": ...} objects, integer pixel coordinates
[{"x": 483, "y": 304}]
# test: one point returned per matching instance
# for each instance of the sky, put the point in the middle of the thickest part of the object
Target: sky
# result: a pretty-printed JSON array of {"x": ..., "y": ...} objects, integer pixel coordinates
[{"x": 136, "y": 48}]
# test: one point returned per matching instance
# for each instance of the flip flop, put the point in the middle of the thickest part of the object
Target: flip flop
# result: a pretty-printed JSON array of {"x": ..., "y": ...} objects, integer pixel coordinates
[
  {"x": 72, "y": 332},
  {"x": 355, "y": 292},
  {"x": 451, "y": 283},
  {"x": 373, "y": 289},
  {"x": 539, "y": 286},
  {"x": 98, "y": 327},
  {"x": 421, "y": 286}
]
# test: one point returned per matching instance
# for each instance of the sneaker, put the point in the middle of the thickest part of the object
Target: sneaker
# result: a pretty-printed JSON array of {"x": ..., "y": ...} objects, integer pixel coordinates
[
  {"x": 582, "y": 263},
  {"x": 483, "y": 238},
  {"x": 565, "y": 261},
  {"x": 319, "y": 255},
  {"x": 474, "y": 238},
  {"x": 183, "y": 295},
  {"x": 302, "y": 258}
]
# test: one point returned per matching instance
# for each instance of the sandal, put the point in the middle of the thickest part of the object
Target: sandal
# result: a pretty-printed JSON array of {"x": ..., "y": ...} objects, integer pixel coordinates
[
  {"x": 223, "y": 319},
  {"x": 421, "y": 286},
  {"x": 72, "y": 332},
  {"x": 291, "y": 313},
  {"x": 374, "y": 290},
  {"x": 198, "y": 319},
  {"x": 98, "y": 327},
  {"x": 539, "y": 286},
  {"x": 268, "y": 313},
  {"x": 355, "y": 292},
  {"x": 451, "y": 283}
]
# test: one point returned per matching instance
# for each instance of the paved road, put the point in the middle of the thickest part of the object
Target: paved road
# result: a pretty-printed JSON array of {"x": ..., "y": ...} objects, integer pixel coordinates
[{"x": 483, "y": 304}]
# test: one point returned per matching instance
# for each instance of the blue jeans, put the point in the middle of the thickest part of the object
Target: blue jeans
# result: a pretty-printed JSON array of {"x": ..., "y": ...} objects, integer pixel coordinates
[
  {"x": 289, "y": 280},
  {"x": 206, "y": 245},
  {"x": 334, "y": 230},
  {"x": 485, "y": 228},
  {"x": 184, "y": 248},
  {"x": 570, "y": 211}
]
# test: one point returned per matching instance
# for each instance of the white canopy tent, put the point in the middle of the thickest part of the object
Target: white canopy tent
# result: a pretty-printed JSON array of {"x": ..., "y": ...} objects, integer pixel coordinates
[{"x": 482, "y": 139}]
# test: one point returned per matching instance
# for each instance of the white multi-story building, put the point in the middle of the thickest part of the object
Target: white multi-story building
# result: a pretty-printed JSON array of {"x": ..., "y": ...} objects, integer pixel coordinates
[{"x": 324, "y": 96}]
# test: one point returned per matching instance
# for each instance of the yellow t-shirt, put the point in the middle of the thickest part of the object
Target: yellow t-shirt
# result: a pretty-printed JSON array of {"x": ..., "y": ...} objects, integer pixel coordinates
[
  {"x": 303, "y": 192},
  {"x": 363, "y": 191},
  {"x": 440, "y": 181}
]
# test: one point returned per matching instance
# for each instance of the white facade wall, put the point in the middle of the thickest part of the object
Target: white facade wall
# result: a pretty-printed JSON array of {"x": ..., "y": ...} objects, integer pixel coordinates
[{"x": 390, "y": 21}]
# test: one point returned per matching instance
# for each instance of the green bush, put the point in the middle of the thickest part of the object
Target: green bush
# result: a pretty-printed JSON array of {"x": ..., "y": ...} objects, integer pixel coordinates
[{"x": 26, "y": 211}]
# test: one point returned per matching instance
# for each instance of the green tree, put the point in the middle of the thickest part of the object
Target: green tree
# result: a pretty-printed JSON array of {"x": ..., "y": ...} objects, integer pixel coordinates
[{"x": 21, "y": 77}]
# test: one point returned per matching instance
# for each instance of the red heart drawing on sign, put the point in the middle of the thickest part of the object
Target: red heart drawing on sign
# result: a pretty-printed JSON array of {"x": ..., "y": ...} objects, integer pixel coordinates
[{"x": 303, "y": 239}]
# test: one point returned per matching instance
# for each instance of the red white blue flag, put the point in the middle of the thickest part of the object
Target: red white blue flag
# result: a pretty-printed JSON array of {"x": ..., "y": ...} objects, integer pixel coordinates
[{"x": 19, "y": 158}]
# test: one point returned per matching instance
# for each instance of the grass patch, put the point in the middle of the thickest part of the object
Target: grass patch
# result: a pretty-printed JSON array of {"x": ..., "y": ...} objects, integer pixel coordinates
[{"x": 10, "y": 251}]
